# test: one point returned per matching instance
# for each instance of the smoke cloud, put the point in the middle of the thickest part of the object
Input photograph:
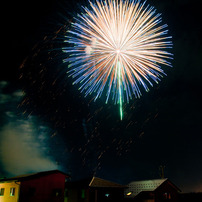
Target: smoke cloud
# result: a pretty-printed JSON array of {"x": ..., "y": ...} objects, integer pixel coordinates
[{"x": 23, "y": 141}]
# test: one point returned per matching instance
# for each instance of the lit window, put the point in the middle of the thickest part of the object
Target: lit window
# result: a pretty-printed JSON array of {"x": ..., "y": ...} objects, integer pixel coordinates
[
  {"x": 167, "y": 196},
  {"x": 12, "y": 191},
  {"x": 83, "y": 193},
  {"x": 2, "y": 191},
  {"x": 129, "y": 193}
]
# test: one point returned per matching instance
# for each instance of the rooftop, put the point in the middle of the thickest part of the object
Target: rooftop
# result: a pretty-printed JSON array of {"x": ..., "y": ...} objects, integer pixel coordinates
[
  {"x": 98, "y": 182},
  {"x": 135, "y": 187},
  {"x": 94, "y": 182},
  {"x": 32, "y": 175}
]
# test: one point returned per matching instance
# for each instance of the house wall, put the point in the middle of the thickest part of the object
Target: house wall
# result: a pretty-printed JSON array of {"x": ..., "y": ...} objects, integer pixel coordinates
[
  {"x": 7, "y": 186},
  {"x": 94, "y": 195},
  {"x": 145, "y": 196},
  {"x": 71, "y": 196},
  {"x": 166, "y": 192},
  {"x": 106, "y": 194},
  {"x": 77, "y": 195},
  {"x": 48, "y": 188}
]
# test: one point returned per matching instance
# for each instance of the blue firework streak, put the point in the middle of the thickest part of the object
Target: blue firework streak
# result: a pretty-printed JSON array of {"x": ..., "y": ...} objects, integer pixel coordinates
[{"x": 115, "y": 47}]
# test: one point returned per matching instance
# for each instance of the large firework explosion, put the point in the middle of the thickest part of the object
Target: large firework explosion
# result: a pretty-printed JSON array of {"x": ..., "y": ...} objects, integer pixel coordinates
[{"x": 116, "y": 47}]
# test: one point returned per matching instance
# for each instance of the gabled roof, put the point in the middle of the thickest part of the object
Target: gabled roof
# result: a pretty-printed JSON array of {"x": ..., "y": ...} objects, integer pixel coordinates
[
  {"x": 32, "y": 175},
  {"x": 98, "y": 182},
  {"x": 94, "y": 182},
  {"x": 135, "y": 187}
]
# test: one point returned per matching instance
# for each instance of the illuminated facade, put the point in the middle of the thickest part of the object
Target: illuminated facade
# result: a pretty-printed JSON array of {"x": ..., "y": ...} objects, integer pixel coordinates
[
  {"x": 36, "y": 187},
  {"x": 9, "y": 191}
]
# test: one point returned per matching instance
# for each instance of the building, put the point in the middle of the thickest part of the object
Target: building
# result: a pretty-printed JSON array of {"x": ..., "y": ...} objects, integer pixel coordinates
[
  {"x": 9, "y": 191},
  {"x": 158, "y": 190},
  {"x": 94, "y": 190},
  {"x": 45, "y": 186}
]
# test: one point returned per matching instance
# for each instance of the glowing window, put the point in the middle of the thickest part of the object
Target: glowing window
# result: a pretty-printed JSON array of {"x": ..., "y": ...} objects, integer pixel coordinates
[
  {"x": 12, "y": 191},
  {"x": 2, "y": 191},
  {"x": 83, "y": 193},
  {"x": 167, "y": 196}
]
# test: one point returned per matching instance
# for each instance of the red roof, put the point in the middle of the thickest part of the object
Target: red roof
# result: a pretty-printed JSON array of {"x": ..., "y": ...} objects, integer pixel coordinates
[{"x": 33, "y": 175}]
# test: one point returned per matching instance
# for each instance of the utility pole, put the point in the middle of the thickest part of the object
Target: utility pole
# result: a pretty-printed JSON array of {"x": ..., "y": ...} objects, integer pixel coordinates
[{"x": 161, "y": 169}]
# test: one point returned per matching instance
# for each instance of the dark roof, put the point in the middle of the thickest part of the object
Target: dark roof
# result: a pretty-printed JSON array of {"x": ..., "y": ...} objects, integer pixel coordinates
[
  {"x": 94, "y": 182},
  {"x": 98, "y": 182},
  {"x": 32, "y": 175}
]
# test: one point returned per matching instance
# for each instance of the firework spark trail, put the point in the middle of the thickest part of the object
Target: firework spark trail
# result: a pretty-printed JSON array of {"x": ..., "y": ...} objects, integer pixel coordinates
[
  {"x": 115, "y": 47},
  {"x": 120, "y": 91}
]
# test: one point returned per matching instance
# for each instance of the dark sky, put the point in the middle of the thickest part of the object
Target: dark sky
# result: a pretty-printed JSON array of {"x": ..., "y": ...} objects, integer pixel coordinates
[{"x": 48, "y": 124}]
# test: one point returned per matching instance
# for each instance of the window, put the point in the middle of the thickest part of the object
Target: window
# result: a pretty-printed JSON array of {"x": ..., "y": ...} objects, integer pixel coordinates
[
  {"x": 129, "y": 193},
  {"x": 2, "y": 191},
  {"x": 83, "y": 193},
  {"x": 12, "y": 191},
  {"x": 167, "y": 196}
]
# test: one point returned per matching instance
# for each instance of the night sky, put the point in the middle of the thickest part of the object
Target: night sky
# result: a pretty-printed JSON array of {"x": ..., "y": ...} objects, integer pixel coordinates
[{"x": 46, "y": 123}]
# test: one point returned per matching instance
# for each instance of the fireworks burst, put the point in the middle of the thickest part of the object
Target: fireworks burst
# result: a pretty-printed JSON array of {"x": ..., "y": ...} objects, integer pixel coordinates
[{"x": 115, "y": 47}]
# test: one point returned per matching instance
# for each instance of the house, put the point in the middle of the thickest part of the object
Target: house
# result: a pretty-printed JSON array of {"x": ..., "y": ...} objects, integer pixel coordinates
[
  {"x": 9, "y": 191},
  {"x": 94, "y": 189},
  {"x": 158, "y": 190},
  {"x": 45, "y": 186}
]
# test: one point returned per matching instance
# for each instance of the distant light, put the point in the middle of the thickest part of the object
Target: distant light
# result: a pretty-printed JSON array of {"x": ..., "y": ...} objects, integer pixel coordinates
[
  {"x": 107, "y": 195},
  {"x": 129, "y": 193}
]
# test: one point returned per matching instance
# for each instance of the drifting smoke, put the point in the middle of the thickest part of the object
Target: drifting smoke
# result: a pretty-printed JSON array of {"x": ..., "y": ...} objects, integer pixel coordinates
[{"x": 23, "y": 142}]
